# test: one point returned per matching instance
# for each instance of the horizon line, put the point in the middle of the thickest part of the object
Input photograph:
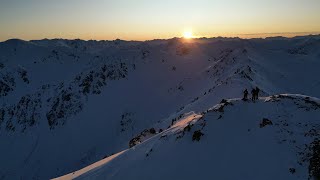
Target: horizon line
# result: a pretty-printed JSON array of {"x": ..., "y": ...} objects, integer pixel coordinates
[{"x": 276, "y": 34}]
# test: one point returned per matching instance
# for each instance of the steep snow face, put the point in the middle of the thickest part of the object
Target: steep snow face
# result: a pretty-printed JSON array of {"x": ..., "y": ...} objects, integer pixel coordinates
[
  {"x": 272, "y": 138},
  {"x": 70, "y": 103}
]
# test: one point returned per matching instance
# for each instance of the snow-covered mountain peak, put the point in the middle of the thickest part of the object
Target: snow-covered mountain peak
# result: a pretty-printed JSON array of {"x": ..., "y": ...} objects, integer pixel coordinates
[{"x": 70, "y": 103}]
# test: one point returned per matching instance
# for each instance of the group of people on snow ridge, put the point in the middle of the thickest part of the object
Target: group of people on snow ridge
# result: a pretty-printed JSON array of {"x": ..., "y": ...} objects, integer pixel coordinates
[{"x": 254, "y": 92}]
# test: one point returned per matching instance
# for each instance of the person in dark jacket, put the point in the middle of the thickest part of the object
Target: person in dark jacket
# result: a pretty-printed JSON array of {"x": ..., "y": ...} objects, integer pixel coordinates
[
  {"x": 257, "y": 92},
  {"x": 253, "y": 92},
  {"x": 245, "y": 95}
]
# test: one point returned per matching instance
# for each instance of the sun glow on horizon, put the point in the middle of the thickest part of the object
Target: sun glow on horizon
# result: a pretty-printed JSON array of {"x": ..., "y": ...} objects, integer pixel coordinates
[
  {"x": 188, "y": 35},
  {"x": 146, "y": 19}
]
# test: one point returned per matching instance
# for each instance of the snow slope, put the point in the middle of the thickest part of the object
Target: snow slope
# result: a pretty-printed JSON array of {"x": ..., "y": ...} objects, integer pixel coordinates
[
  {"x": 267, "y": 139},
  {"x": 65, "y": 104}
]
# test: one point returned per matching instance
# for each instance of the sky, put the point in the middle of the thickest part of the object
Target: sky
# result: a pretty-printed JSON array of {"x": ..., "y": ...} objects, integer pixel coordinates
[{"x": 156, "y": 19}]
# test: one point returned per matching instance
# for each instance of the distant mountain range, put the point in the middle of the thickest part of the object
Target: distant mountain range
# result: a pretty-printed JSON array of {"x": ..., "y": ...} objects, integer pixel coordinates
[{"x": 161, "y": 109}]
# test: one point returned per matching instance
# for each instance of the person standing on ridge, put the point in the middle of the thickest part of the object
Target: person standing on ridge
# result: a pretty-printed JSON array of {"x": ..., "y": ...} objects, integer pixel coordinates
[
  {"x": 245, "y": 95},
  {"x": 257, "y": 92},
  {"x": 253, "y": 92}
]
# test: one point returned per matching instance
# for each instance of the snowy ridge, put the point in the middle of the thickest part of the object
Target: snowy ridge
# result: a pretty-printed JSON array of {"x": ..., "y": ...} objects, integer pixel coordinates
[
  {"x": 273, "y": 138},
  {"x": 70, "y": 103}
]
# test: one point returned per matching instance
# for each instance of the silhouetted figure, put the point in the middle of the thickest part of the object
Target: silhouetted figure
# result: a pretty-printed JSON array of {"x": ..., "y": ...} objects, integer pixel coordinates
[
  {"x": 257, "y": 92},
  {"x": 245, "y": 95},
  {"x": 253, "y": 92}
]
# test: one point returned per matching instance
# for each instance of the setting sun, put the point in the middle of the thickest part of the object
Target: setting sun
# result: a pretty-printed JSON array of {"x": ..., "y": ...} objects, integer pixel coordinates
[{"x": 188, "y": 35}]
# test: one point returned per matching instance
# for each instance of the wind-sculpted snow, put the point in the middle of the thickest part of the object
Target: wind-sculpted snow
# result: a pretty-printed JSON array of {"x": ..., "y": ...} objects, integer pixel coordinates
[{"x": 65, "y": 104}]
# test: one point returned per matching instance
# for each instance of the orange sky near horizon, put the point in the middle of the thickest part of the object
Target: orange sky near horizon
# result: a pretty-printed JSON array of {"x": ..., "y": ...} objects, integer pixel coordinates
[{"x": 151, "y": 19}]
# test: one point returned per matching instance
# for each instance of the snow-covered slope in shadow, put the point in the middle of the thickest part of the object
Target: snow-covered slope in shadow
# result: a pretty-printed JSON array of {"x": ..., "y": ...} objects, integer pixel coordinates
[
  {"x": 276, "y": 137},
  {"x": 65, "y": 104}
]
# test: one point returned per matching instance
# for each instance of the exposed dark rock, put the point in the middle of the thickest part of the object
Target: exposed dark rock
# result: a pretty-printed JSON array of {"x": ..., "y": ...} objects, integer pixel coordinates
[
  {"x": 152, "y": 131},
  {"x": 223, "y": 101},
  {"x": 7, "y": 83},
  {"x": 265, "y": 122},
  {"x": 23, "y": 75},
  {"x": 314, "y": 165},
  {"x": 292, "y": 170},
  {"x": 64, "y": 105},
  {"x": 134, "y": 141},
  {"x": 187, "y": 128},
  {"x": 2, "y": 114},
  {"x": 197, "y": 135},
  {"x": 139, "y": 138}
]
